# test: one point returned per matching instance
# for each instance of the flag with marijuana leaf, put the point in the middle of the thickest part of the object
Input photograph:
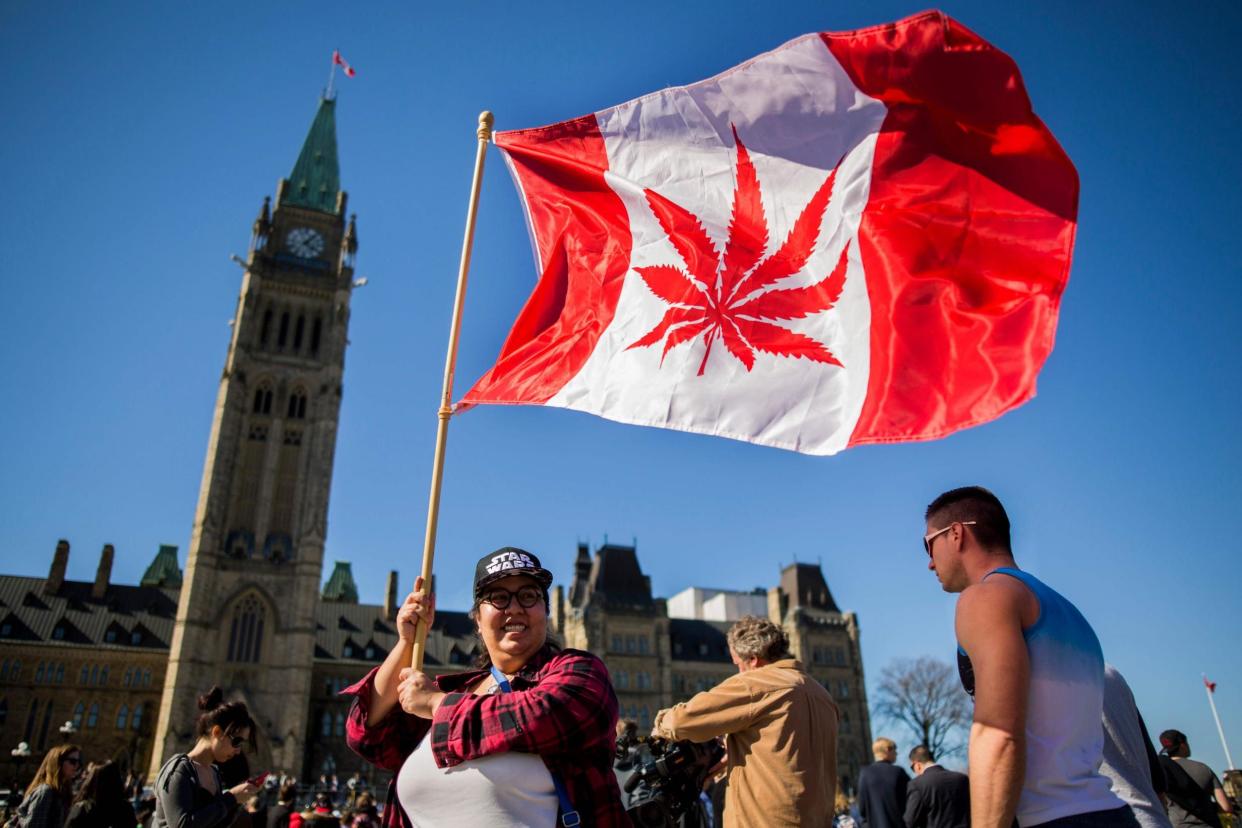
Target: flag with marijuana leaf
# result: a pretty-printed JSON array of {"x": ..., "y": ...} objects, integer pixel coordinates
[{"x": 857, "y": 237}]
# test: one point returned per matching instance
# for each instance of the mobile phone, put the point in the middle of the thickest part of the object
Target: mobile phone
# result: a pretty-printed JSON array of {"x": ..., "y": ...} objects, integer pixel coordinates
[{"x": 258, "y": 780}]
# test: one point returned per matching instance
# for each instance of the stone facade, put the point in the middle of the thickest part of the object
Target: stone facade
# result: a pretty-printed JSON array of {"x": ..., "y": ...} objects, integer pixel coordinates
[{"x": 657, "y": 661}]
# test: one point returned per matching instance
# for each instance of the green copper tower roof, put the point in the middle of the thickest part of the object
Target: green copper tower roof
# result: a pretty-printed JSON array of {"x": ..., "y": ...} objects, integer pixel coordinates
[
  {"x": 316, "y": 177},
  {"x": 341, "y": 586},
  {"x": 163, "y": 571}
]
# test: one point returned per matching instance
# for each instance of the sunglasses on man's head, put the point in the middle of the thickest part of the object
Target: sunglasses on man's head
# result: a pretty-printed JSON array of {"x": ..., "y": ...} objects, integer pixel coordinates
[{"x": 499, "y": 597}]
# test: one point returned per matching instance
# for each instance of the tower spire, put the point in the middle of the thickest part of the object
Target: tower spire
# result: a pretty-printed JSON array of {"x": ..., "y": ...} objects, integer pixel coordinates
[{"x": 316, "y": 177}]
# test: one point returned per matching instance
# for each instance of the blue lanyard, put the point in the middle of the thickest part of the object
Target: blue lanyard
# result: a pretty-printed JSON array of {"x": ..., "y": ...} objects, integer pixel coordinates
[{"x": 569, "y": 817}]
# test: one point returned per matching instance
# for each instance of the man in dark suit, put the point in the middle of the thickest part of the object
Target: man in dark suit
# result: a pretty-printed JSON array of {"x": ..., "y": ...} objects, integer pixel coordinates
[
  {"x": 938, "y": 797},
  {"x": 882, "y": 788}
]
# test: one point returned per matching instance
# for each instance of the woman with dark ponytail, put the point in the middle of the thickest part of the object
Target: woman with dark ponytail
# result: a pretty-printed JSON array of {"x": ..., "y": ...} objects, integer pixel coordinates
[{"x": 189, "y": 792}]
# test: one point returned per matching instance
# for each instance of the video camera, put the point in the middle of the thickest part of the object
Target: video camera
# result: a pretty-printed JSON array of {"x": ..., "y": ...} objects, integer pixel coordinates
[{"x": 663, "y": 791}]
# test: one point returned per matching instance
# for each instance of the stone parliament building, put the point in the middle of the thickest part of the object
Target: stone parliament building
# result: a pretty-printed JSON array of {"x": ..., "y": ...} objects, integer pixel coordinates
[{"x": 117, "y": 668}]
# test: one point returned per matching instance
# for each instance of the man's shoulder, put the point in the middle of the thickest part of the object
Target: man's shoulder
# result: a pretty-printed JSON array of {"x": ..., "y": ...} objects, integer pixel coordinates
[
  {"x": 1199, "y": 772},
  {"x": 887, "y": 771},
  {"x": 939, "y": 777}
]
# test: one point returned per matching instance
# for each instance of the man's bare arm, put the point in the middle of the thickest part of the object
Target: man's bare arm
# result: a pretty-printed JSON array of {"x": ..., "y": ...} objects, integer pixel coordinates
[
  {"x": 1223, "y": 801},
  {"x": 989, "y": 627}
]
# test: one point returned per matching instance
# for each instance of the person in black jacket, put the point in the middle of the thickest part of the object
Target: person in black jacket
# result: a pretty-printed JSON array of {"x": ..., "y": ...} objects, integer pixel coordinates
[
  {"x": 101, "y": 801},
  {"x": 937, "y": 797},
  {"x": 882, "y": 788},
  {"x": 278, "y": 814}
]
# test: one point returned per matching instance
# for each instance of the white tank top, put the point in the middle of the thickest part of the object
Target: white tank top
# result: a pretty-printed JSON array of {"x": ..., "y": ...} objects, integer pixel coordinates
[
  {"x": 1064, "y": 724},
  {"x": 500, "y": 790}
]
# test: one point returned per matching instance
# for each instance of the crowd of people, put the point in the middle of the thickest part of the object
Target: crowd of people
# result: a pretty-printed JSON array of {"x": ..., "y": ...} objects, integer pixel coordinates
[{"x": 530, "y": 737}]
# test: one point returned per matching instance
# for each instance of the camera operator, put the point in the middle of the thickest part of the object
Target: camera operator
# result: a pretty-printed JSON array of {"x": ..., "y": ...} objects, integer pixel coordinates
[{"x": 780, "y": 727}]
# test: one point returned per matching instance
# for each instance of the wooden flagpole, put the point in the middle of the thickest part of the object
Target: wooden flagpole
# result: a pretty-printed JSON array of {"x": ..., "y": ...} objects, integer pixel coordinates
[{"x": 446, "y": 397}]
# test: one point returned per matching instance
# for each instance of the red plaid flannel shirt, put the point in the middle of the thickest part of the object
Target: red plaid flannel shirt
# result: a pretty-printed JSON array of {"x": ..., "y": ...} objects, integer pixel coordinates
[{"x": 562, "y": 708}]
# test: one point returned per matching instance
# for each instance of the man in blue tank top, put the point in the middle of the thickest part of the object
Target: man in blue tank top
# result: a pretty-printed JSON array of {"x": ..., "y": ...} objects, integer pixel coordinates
[{"x": 1036, "y": 671}]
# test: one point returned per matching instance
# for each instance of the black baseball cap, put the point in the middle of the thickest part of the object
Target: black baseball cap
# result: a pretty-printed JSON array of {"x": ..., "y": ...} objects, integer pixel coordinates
[
  {"x": 506, "y": 561},
  {"x": 1171, "y": 739}
]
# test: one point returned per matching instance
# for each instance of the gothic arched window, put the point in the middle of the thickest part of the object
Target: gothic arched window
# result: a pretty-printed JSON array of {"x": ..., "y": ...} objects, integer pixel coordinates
[
  {"x": 47, "y": 722},
  {"x": 297, "y": 405},
  {"x": 265, "y": 328},
  {"x": 136, "y": 721},
  {"x": 122, "y": 717},
  {"x": 92, "y": 718},
  {"x": 263, "y": 399},
  {"x": 316, "y": 332},
  {"x": 297, "y": 332},
  {"x": 283, "y": 336},
  {"x": 246, "y": 632}
]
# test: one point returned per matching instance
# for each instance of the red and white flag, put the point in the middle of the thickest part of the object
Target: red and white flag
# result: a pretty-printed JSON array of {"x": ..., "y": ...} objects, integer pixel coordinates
[
  {"x": 337, "y": 60},
  {"x": 1210, "y": 685},
  {"x": 854, "y": 238}
]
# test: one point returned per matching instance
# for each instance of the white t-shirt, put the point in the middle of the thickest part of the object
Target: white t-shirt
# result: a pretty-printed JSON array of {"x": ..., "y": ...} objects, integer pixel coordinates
[{"x": 505, "y": 789}]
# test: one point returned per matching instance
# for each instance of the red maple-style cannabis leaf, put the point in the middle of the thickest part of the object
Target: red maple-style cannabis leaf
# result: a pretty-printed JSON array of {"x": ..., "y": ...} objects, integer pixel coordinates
[{"x": 720, "y": 296}]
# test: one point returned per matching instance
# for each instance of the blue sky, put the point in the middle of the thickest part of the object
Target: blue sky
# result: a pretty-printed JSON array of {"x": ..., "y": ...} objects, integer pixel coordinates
[{"x": 139, "y": 140}]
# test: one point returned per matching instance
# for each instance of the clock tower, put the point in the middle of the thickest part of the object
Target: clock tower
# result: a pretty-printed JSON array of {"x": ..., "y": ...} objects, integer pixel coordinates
[{"x": 246, "y": 614}]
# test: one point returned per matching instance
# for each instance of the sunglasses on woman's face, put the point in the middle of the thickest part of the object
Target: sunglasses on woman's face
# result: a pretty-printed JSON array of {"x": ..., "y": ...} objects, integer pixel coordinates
[{"x": 73, "y": 760}]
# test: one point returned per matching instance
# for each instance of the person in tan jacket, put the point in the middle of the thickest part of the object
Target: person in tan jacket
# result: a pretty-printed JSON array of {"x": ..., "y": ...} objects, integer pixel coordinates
[{"x": 780, "y": 727}]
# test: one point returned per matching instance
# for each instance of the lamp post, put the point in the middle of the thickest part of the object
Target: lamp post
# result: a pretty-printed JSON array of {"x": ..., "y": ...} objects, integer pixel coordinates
[
  {"x": 20, "y": 754},
  {"x": 67, "y": 730}
]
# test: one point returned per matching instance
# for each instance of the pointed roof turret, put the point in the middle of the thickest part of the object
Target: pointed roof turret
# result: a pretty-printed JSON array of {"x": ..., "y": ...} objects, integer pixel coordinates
[
  {"x": 316, "y": 177},
  {"x": 163, "y": 571},
  {"x": 263, "y": 223},
  {"x": 341, "y": 586}
]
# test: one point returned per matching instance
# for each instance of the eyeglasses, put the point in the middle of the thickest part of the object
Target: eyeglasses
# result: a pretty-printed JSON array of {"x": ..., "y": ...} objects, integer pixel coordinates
[
  {"x": 500, "y": 597},
  {"x": 73, "y": 760},
  {"x": 927, "y": 540}
]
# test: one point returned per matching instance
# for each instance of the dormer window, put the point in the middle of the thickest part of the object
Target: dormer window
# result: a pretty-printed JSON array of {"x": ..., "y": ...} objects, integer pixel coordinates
[
  {"x": 110, "y": 635},
  {"x": 58, "y": 632},
  {"x": 135, "y": 638}
]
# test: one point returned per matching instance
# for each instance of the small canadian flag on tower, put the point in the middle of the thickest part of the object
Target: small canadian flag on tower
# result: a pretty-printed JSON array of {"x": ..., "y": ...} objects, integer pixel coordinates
[{"x": 337, "y": 60}]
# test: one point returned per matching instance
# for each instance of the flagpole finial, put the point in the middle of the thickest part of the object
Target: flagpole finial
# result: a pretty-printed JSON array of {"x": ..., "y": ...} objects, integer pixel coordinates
[{"x": 486, "y": 120}]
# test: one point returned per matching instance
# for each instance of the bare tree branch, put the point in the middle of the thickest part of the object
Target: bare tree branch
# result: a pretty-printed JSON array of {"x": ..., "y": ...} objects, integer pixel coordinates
[{"x": 923, "y": 695}]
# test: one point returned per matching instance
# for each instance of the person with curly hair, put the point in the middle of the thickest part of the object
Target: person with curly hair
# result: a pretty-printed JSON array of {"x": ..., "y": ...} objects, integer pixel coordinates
[{"x": 780, "y": 728}]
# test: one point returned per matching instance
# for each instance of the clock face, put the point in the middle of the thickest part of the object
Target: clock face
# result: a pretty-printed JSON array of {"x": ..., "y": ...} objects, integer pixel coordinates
[{"x": 304, "y": 242}]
